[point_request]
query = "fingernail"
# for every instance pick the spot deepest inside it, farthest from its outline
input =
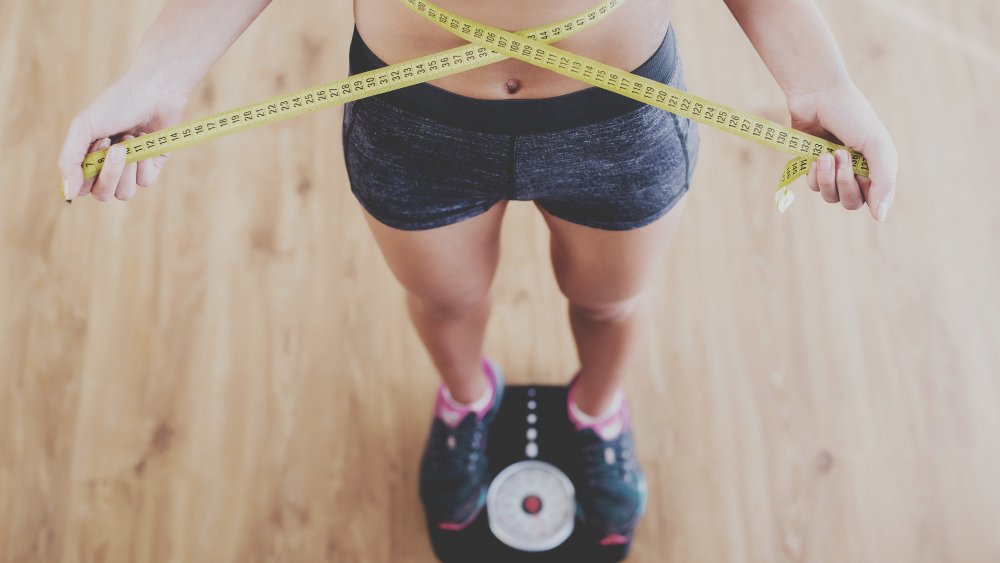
(65, 192)
(826, 161)
(882, 210)
(116, 154)
(844, 158)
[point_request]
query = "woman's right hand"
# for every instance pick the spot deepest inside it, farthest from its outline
(130, 107)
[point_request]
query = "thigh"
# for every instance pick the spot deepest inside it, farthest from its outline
(451, 265)
(596, 267)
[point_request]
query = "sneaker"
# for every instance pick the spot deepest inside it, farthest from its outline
(454, 473)
(610, 486)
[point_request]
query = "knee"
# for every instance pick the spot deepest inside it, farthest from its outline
(449, 305)
(606, 311)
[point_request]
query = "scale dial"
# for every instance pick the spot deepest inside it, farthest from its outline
(531, 506)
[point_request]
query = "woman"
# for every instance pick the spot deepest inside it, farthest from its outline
(434, 166)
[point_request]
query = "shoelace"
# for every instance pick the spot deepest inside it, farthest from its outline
(463, 443)
(606, 460)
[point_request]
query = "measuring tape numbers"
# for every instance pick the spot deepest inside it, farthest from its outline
(489, 45)
(356, 87)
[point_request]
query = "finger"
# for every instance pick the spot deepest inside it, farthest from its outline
(882, 165)
(811, 177)
(149, 169)
(865, 183)
(126, 184)
(74, 148)
(88, 184)
(847, 186)
(107, 181)
(826, 178)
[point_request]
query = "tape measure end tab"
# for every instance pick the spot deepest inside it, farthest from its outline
(65, 193)
(783, 198)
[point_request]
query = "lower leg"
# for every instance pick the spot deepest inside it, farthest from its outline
(606, 277)
(607, 338)
(454, 470)
(447, 272)
(612, 496)
(453, 336)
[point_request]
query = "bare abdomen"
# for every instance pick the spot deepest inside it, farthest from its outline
(625, 39)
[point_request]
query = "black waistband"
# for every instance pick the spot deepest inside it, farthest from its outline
(519, 116)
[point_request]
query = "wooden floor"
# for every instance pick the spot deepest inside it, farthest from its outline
(222, 370)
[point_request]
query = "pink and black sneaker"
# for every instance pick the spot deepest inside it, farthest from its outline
(454, 472)
(610, 486)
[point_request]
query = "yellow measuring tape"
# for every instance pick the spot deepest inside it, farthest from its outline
(489, 45)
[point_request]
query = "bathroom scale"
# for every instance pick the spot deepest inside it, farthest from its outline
(530, 513)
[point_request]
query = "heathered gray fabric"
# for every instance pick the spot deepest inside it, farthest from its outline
(413, 173)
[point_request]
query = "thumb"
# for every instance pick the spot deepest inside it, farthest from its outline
(71, 157)
(880, 187)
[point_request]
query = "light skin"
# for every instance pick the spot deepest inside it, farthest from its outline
(795, 43)
(186, 39)
(447, 271)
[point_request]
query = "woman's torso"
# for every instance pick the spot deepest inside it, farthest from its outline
(625, 39)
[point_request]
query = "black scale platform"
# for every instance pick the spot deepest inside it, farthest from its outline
(508, 444)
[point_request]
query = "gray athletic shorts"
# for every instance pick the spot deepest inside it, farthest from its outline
(422, 157)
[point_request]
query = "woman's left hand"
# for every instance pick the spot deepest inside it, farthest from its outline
(843, 115)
